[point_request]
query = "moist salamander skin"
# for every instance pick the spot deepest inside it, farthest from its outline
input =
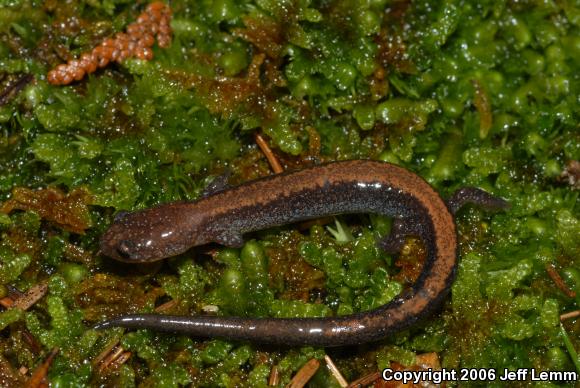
(355, 186)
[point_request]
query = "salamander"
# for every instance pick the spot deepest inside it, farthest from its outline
(356, 186)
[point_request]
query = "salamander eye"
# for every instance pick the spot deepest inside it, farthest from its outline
(125, 249)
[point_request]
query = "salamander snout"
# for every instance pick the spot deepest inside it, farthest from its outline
(148, 235)
(130, 239)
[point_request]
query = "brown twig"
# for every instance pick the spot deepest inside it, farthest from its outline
(365, 380)
(335, 372)
(112, 356)
(7, 302)
(166, 306)
(304, 374)
(41, 371)
(555, 276)
(106, 351)
(13, 294)
(14, 88)
(274, 378)
(110, 359)
(27, 336)
(570, 315)
(30, 297)
(274, 163)
(120, 360)
(483, 106)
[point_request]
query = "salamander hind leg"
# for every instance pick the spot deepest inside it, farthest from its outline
(475, 196)
(393, 243)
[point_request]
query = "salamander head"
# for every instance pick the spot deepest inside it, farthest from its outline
(147, 235)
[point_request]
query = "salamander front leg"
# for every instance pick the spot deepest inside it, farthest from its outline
(218, 184)
(393, 243)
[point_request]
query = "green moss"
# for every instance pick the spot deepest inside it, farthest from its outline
(10, 316)
(258, 377)
(395, 353)
(232, 292)
(466, 289)
(64, 330)
(297, 309)
(171, 376)
(141, 342)
(192, 280)
(216, 351)
(255, 272)
(12, 265)
(503, 282)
